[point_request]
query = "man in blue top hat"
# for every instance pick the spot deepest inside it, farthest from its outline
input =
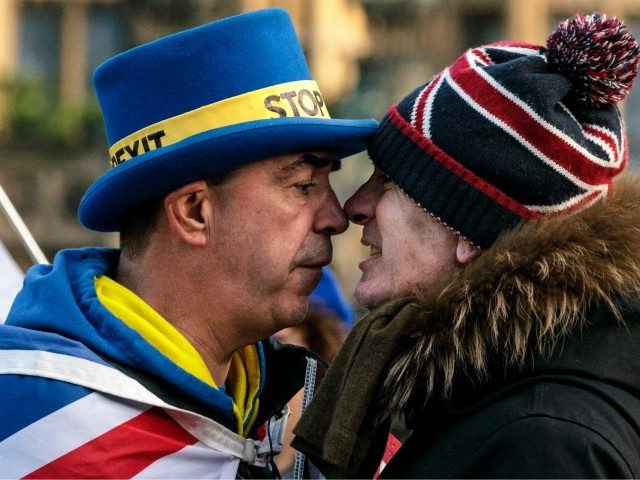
(148, 361)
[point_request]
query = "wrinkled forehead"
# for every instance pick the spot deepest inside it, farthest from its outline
(289, 165)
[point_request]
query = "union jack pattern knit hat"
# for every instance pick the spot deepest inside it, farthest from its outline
(512, 131)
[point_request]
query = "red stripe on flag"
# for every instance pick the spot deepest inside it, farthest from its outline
(524, 125)
(592, 197)
(483, 56)
(460, 170)
(508, 44)
(579, 205)
(422, 101)
(123, 451)
(607, 137)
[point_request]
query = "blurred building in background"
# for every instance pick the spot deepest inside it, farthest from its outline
(365, 55)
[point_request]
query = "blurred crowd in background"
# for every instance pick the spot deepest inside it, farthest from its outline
(364, 54)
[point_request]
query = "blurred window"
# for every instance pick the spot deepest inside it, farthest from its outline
(74, 190)
(480, 27)
(39, 30)
(108, 35)
(632, 109)
(21, 187)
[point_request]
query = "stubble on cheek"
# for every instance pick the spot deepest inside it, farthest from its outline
(313, 252)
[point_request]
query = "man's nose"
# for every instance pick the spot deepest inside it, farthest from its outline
(361, 206)
(331, 219)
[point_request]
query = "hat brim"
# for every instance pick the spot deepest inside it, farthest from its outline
(160, 171)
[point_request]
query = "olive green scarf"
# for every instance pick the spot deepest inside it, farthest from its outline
(339, 431)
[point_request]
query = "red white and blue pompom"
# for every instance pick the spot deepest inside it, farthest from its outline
(599, 54)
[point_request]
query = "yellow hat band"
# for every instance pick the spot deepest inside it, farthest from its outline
(292, 99)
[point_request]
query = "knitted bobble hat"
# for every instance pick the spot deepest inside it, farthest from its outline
(512, 131)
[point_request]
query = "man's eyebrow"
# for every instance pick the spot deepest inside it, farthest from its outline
(307, 159)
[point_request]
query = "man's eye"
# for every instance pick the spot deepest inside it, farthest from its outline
(305, 187)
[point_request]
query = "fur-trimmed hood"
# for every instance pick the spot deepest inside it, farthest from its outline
(519, 298)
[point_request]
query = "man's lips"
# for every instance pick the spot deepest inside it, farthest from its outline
(316, 263)
(375, 252)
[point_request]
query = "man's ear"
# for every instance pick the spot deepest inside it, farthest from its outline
(187, 211)
(465, 252)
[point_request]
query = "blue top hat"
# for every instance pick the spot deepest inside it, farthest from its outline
(206, 100)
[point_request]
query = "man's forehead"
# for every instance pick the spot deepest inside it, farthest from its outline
(287, 165)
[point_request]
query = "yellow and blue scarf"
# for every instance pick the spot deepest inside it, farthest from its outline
(244, 378)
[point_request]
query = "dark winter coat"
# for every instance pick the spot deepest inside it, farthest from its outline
(528, 363)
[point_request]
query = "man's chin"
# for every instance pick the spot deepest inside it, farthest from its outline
(305, 279)
(291, 303)
(292, 311)
(369, 297)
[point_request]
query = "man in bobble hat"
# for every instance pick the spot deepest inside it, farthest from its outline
(500, 222)
(149, 361)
